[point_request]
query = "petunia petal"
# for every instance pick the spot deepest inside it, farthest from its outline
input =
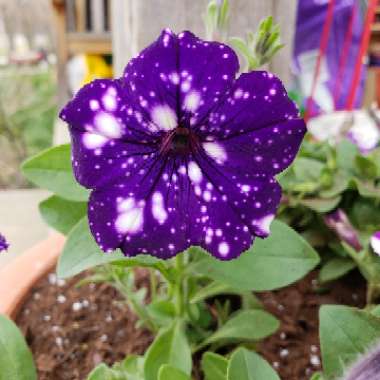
(238, 206)
(152, 82)
(154, 211)
(257, 101)
(98, 161)
(268, 150)
(105, 108)
(179, 79)
(207, 71)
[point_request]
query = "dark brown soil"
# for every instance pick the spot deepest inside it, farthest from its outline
(70, 330)
(294, 350)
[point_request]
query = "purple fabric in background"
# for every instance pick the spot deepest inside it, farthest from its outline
(311, 17)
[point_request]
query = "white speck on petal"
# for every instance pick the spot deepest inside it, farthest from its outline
(207, 196)
(164, 117)
(195, 172)
(93, 140)
(131, 217)
(264, 223)
(192, 100)
(158, 209)
(174, 77)
(215, 151)
(109, 100)
(94, 105)
(223, 248)
(107, 125)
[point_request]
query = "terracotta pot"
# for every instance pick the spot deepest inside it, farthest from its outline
(19, 276)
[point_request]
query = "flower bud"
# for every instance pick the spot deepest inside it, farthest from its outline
(339, 223)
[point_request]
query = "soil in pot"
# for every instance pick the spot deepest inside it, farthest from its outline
(70, 330)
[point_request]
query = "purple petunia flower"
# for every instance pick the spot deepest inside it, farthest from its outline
(178, 152)
(340, 224)
(375, 242)
(3, 243)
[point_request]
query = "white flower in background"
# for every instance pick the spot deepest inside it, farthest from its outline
(365, 134)
(358, 126)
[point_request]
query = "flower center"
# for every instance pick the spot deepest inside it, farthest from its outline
(179, 141)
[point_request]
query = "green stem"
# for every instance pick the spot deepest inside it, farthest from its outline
(373, 292)
(370, 290)
(137, 308)
(199, 346)
(178, 286)
(153, 284)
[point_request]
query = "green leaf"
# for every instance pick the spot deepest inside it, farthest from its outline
(367, 189)
(317, 376)
(307, 169)
(224, 14)
(162, 311)
(214, 366)
(346, 151)
(277, 261)
(81, 252)
(245, 326)
(16, 361)
(247, 365)
(62, 214)
(101, 372)
(376, 311)
(364, 213)
(131, 367)
(335, 268)
(240, 45)
(366, 167)
(168, 372)
(340, 184)
(213, 289)
(321, 204)
(51, 169)
(169, 347)
(345, 333)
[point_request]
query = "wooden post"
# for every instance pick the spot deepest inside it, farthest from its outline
(62, 52)
(80, 14)
(97, 16)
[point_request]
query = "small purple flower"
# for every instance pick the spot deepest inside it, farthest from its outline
(178, 152)
(340, 224)
(3, 243)
(375, 242)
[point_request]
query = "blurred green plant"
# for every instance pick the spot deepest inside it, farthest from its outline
(259, 48)
(27, 113)
(216, 20)
(324, 178)
(256, 49)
